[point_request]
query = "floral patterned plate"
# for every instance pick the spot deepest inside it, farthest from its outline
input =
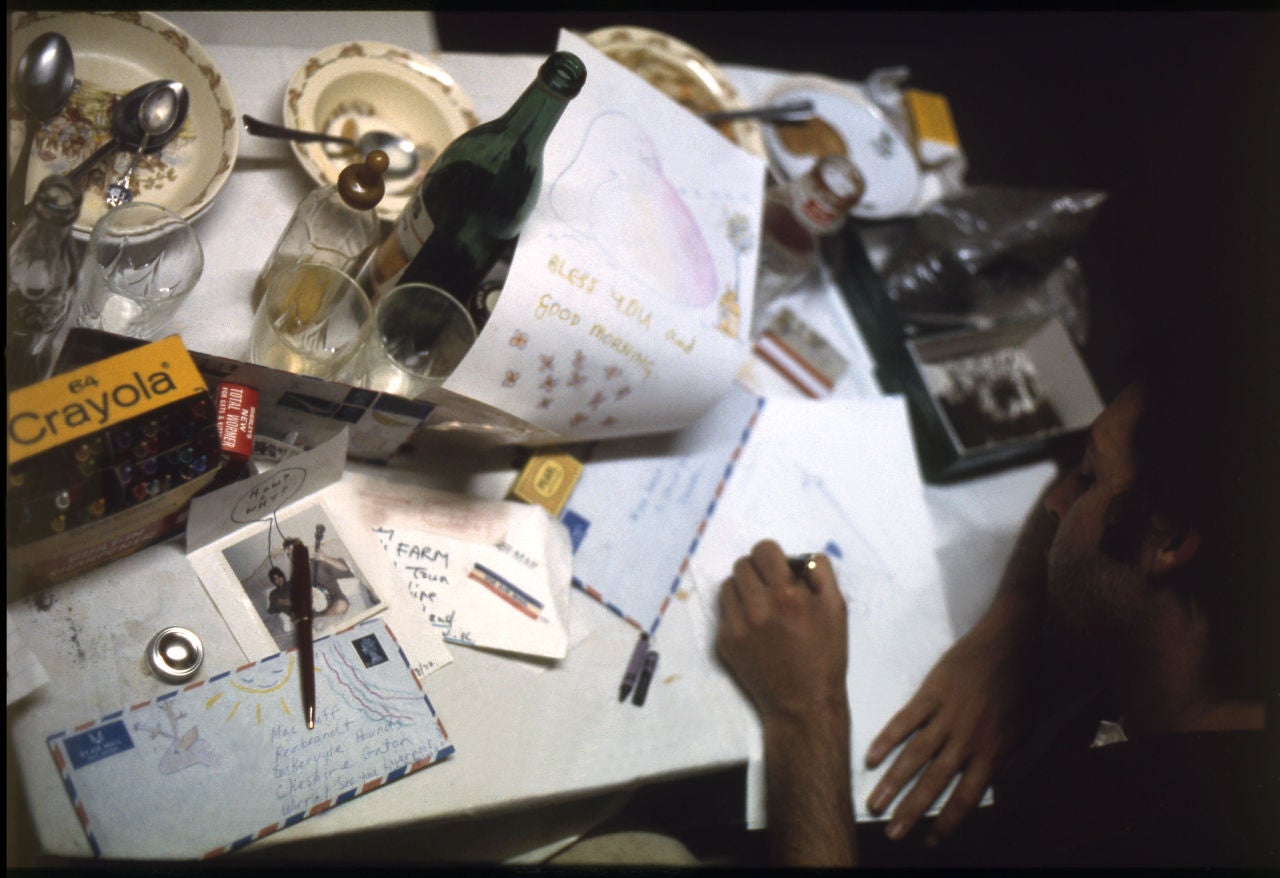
(114, 53)
(683, 74)
(350, 88)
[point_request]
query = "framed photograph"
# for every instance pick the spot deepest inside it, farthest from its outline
(248, 573)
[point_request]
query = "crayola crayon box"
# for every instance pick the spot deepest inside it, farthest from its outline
(103, 459)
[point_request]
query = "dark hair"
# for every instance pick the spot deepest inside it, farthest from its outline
(273, 571)
(1205, 450)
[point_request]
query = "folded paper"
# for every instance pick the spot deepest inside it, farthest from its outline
(494, 596)
(487, 573)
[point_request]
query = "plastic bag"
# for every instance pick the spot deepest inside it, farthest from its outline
(990, 253)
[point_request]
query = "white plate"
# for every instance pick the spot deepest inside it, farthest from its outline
(845, 123)
(683, 74)
(350, 88)
(114, 53)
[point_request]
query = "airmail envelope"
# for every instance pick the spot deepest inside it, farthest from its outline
(210, 767)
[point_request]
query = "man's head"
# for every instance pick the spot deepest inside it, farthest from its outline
(1096, 601)
(1169, 501)
(277, 577)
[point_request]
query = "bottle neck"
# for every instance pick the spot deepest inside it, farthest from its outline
(534, 114)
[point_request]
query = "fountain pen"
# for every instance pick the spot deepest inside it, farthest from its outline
(300, 598)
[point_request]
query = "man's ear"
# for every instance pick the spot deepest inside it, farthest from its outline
(1174, 545)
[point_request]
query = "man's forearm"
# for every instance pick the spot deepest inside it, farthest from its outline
(1020, 594)
(809, 789)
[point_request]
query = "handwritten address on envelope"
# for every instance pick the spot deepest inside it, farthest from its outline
(209, 768)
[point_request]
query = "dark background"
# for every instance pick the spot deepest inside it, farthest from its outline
(1175, 114)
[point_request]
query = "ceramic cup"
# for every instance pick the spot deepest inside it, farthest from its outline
(420, 335)
(310, 321)
(141, 263)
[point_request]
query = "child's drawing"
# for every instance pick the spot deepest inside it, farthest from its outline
(186, 750)
(614, 193)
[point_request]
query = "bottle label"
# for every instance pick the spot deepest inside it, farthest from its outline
(388, 262)
(824, 196)
(819, 214)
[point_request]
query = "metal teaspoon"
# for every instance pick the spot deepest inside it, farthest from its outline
(43, 80)
(126, 128)
(162, 111)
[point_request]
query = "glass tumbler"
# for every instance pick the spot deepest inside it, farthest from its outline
(141, 263)
(310, 321)
(420, 335)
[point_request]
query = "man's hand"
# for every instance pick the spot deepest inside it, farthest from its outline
(959, 723)
(970, 708)
(785, 638)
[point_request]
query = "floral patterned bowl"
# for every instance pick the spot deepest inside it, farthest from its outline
(350, 88)
(115, 52)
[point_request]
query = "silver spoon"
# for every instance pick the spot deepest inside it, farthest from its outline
(43, 80)
(402, 153)
(162, 111)
(792, 111)
(126, 125)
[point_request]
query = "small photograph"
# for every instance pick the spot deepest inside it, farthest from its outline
(341, 593)
(992, 397)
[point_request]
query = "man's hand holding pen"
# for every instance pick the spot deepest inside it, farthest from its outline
(784, 635)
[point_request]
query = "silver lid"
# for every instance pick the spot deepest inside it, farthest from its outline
(175, 654)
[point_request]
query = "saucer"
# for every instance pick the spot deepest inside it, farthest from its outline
(847, 123)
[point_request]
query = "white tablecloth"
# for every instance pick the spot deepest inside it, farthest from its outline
(524, 735)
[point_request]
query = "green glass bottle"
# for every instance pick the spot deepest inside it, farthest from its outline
(477, 196)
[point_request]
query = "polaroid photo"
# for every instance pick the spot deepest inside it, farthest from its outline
(247, 574)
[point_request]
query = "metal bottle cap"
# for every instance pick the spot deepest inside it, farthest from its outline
(175, 654)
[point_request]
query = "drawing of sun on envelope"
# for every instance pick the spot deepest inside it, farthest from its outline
(614, 193)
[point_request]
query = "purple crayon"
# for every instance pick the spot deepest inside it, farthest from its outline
(633, 667)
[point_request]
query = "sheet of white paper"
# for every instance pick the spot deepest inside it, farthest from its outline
(210, 767)
(840, 477)
(23, 673)
(488, 573)
(635, 512)
(627, 306)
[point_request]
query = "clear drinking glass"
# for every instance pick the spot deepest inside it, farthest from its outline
(420, 335)
(310, 322)
(141, 263)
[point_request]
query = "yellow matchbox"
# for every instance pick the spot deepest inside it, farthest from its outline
(547, 480)
(103, 459)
